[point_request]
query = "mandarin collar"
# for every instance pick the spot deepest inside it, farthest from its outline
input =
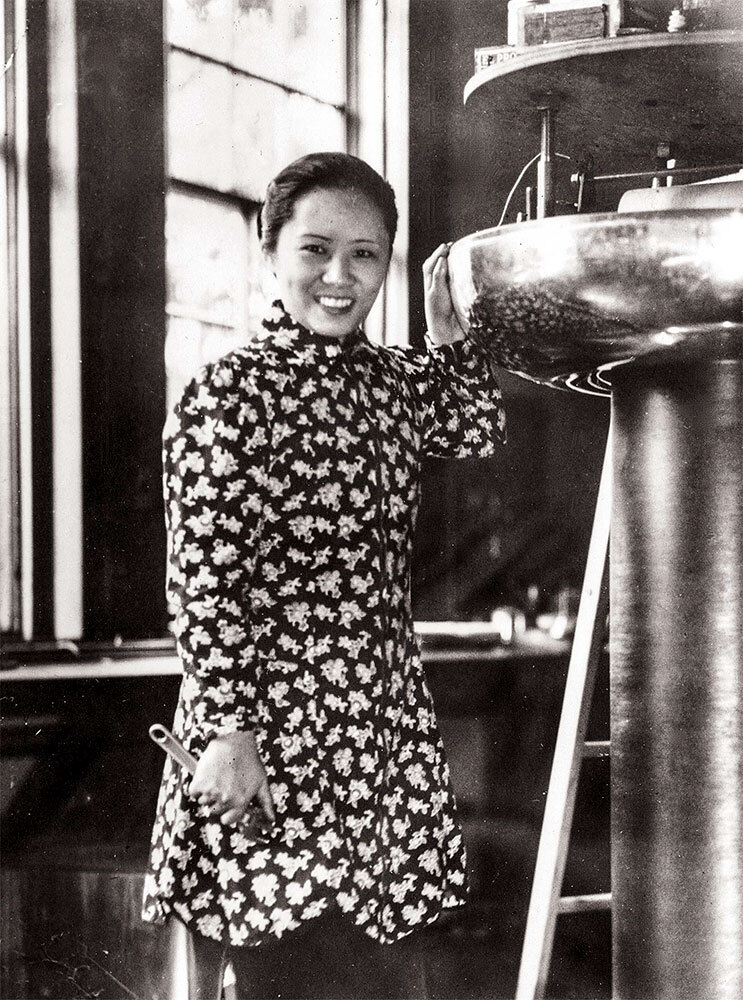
(283, 330)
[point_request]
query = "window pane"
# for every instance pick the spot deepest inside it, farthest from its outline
(203, 26)
(214, 270)
(309, 34)
(231, 132)
(249, 33)
(260, 121)
(199, 121)
(189, 344)
(207, 249)
(310, 127)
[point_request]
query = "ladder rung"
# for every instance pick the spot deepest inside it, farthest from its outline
(591, 903)
(596, 748)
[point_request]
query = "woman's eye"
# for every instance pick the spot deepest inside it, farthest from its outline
(366, 254)
(314, 248)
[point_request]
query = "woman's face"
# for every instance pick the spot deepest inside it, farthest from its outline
(330, 260)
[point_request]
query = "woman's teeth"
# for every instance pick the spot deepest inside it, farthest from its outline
(329, 302)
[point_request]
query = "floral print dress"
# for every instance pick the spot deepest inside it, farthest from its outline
(291, 483)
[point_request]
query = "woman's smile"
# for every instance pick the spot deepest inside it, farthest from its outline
(335, 304)
(331, 259)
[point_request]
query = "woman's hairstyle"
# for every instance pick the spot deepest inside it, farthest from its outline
(326, 171)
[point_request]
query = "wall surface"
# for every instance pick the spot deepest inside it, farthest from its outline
(489, 528)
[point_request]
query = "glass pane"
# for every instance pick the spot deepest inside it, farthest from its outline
(309, 34)
(259, 122)
(215, 273)
(317, 39)
(199, 121)
(310, 127)
(207, 252)
(271, 128)
(203, 26)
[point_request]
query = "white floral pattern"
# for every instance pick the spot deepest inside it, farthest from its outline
(291, 483)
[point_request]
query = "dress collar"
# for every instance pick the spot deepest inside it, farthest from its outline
(283, 330)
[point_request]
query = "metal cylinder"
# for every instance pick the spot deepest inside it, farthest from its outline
(677, 682)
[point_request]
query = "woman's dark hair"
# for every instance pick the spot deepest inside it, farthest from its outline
(326, 171)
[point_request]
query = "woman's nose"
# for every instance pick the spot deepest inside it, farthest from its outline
(337, 270)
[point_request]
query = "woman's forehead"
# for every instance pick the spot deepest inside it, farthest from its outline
(337, 209)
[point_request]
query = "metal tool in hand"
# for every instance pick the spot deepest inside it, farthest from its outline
(254, 822)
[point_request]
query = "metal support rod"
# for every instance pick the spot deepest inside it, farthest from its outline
(725, 168)
(545, 164)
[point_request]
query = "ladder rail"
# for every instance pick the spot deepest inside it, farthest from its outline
(588, 641)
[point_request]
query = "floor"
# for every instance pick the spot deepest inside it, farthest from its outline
(75, 839)
(70, 935)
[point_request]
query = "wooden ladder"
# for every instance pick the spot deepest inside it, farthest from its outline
(571, 747)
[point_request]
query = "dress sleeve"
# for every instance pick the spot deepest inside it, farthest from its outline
(461, 405)
(215, 457)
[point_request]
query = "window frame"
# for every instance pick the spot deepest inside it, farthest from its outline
(57, 554)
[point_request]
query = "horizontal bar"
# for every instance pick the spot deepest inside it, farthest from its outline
(240, 71)
(592, 903)
(668, 172)
(28, 724)
(597, 748)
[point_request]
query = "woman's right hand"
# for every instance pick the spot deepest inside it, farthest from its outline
(229, 775)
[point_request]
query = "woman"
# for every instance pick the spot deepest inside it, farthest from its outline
(292, 480)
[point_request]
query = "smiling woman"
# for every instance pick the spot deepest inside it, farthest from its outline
(292, 481)
(330, 261)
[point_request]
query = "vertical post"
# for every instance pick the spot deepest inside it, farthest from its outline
(122, 314)
(64, 264)
(677, 681)
(545, 164)
(16, 451)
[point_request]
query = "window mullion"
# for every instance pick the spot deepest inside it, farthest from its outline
(64, 256)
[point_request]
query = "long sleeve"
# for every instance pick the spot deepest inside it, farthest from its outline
(215, 459)
(461, 413)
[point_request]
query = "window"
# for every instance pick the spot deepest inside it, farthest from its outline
(213, 278)
(117, 289)
(235, 115)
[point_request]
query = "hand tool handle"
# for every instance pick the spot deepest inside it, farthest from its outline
(165, 739)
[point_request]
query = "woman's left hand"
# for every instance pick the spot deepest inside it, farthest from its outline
(441, 320)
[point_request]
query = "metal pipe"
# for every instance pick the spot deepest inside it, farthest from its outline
(677, 682)
(725, 168)
(545, 165)
(165, 739)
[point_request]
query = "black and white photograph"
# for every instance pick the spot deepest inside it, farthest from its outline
(371, 500)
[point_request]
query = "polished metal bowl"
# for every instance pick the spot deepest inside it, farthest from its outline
(565, 300)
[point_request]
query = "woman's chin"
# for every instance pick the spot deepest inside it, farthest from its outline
(337, 326)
